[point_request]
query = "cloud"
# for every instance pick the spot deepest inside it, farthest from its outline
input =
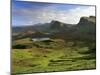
(49, 13)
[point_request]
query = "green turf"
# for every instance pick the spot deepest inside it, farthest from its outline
(51, 57)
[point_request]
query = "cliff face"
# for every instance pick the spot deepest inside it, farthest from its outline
(88, 24)
(84, 30)
(87, 21)
(57, 25)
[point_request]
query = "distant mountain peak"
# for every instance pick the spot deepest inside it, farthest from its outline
(87, 20)
(53, 21)
(56, 24)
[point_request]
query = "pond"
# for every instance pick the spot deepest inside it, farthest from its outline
(41, 39)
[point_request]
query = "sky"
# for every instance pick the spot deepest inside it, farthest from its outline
(31, 13)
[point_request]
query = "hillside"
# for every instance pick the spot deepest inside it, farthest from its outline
(70, 47)
(86, 26)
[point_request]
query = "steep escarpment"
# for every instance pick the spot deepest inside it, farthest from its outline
(87, 20)
(84, 30)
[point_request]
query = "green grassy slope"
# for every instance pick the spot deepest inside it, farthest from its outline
(56, 55)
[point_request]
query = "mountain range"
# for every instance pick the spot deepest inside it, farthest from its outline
(84, 30)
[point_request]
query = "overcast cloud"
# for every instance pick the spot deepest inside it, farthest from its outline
(27, 16)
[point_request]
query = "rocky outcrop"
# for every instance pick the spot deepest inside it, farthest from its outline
(87, 21)
(56, 24)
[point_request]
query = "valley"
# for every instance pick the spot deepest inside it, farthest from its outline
(69, 47)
